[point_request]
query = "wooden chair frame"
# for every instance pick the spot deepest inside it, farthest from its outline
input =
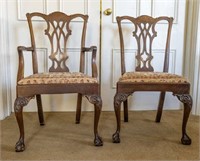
(26, 92)
(125, 89)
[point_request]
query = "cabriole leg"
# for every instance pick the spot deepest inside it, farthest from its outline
(118, 99)
(96, 100)
(20, 102)
(187, 100)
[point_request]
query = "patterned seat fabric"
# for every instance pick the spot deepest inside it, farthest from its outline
(57, 78)
(151, 77)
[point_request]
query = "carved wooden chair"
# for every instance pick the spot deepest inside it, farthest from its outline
(144, 78)
(59, 79)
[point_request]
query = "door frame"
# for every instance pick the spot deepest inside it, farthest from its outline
(192, 45)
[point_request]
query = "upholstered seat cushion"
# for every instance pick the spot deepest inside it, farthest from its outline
(57, 78)
(151, 77)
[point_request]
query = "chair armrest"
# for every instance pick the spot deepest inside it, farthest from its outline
(92, 49)
(20, 49)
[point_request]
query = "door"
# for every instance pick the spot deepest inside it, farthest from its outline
(19, 36)
(110, 53)
(111, 48)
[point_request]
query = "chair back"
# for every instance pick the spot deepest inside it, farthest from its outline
(144, 33)
(58, 31)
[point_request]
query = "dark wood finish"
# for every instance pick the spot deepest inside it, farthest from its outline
(160, 106)
(126, 111)
(145, 27)
(78, 108)
(57, 21)
(40, 109)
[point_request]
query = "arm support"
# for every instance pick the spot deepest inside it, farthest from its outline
(20, 49)
(92, 49)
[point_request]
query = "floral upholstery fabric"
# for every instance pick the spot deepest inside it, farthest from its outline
(57, 78)
(151, 77)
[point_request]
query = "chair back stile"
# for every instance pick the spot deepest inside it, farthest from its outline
(167, 49)
(82, 54)
(123, 67)
(34, 54)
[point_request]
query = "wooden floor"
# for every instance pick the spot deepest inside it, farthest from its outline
(62, 139)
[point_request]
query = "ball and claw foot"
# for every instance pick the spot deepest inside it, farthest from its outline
(20, 146)
(116, 138)
(98, 141)
(185, 140)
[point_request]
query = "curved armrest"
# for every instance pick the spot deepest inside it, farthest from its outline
(92, 49)
(20, 49)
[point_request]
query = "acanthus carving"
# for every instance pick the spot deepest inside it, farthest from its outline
(94, 99)
(185, 98)
(21, 102)
(120, 97)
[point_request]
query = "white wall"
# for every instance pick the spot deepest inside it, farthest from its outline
(5, 94)
(192, 52)
(196, 90)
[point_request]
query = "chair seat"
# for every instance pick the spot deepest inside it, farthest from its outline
(151, 77)
(57, 78)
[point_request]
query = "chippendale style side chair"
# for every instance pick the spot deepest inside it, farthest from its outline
(144, 78)
(59, 79)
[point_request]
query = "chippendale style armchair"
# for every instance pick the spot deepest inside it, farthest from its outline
(144, 78)
(59, 79)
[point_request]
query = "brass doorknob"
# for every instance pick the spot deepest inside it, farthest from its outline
(108, 11)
